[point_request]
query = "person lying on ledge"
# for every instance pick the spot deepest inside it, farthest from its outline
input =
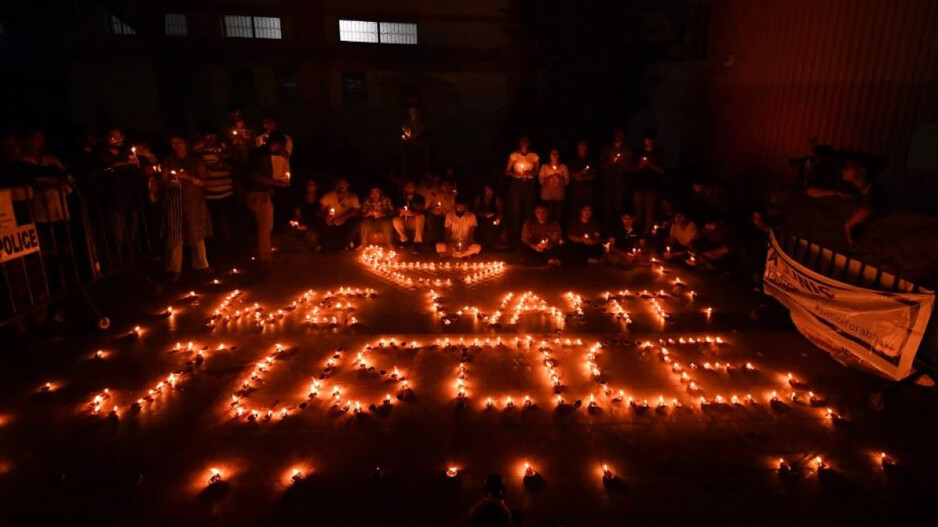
(624, 246)
(584, 241)
(859, 187)
(540, 238)
(682, 237)
(460, 226)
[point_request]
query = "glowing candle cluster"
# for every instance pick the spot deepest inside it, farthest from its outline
(387, 263)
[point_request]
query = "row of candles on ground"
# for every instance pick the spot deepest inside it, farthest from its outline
(387, 263)
(102, 402)
(527, 303)
(335, 308)
(529, 473)
(330, 367)
(773, 398)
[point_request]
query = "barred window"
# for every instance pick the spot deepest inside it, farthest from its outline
(176, 25)
(373, 32)
(358, 31)
(237, 26)
(118, 27)
(267, 27)
(398, 33)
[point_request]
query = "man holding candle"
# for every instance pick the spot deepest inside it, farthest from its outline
(582, 177)
(269, 169)
(410, 215)
(624, 246)
(649, 175)
(459, 241)
(682, 236)
(341, 208)
(540, 238)
(584, 242)
(523, 165)
(616, 162)
(376, 216)
(440, 202)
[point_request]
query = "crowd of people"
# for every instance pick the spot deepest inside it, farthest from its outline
(616, 205)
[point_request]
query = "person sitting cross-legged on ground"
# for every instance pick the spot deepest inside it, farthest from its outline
(440, 202)
(540, 238)
(584, 243)
(307, 217)
(410, 215)
(713, 244)
(489, 209)
(377, 210)
(624, 246)
(341, 208)
(682, 236)
(460, 226)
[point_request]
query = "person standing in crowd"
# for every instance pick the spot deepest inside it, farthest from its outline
(649, 178)
(307, 216)
(616, 162)
(414, 145)
(540, 238)
(459, 241)
(240, 140)
(124, 185)
(270, 168)
(217, 187)
(440, 202)
(377, 210)
(623, 247)
(489, 210)
(115, 153)
(341, 208)
(582, 177)
(271, 124)
(584, 240)
(185, 216)
(554, 179)
(51, 188)
(410, 216)
(521, 170)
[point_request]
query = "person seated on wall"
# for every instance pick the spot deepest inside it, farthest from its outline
(410, 216)
(625, 245)
(440, 202)
(377, 211)
(857, 186)
(540, 238)
(713, 244)
(341, 209)
(459, 241)
(307, 217)
(489, 210)
(681, 238)
(584, 241)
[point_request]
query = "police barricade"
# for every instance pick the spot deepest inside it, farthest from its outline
(59, 235)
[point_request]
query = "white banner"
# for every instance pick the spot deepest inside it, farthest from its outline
(876, 330)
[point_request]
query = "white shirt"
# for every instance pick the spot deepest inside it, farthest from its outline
(262, 139)
(521, 163)
(281, 167)
(461, 227)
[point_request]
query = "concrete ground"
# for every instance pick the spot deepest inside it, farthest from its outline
(65, 460)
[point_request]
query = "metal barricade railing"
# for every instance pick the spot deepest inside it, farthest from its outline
(87, 229)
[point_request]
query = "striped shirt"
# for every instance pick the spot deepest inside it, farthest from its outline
(218, 182)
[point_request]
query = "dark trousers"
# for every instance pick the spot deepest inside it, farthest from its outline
(613, 202)
(522, 193)
(579, 253)
(337, 237)
(221, 212)
(532, 257)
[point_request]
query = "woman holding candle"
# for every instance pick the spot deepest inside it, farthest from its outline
(489, 210)
(522, 168)
(554, 179)
(185, 216)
